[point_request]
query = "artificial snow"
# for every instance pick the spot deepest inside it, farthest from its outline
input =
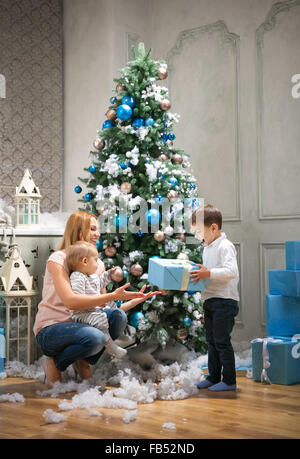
(129, 416)
(52, 417)
(169, 425)
(12, 398)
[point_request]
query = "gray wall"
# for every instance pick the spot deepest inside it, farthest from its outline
(31, 115)
(231, 64)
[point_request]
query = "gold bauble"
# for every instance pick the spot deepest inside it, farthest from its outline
(99, 144)
(110, 251)
(182, 256)
(165, 104)
(177, 159)
(181, 334)
(111, 114)
(180, 237)
(172, 195)
(163, 157)
(162, 75)
(136, 270)
(119, 87)
(118, 274)
(159, 236)
(126, 187)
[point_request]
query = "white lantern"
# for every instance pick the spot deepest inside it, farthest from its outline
(17, 292)
(27, 202)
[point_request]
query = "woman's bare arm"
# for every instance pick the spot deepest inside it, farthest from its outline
(72, 300)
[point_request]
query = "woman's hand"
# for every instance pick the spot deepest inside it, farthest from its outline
(132, 303)
(121, 294)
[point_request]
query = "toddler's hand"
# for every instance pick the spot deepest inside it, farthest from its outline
(200, 274)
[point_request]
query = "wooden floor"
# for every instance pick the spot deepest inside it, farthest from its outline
(254, 411)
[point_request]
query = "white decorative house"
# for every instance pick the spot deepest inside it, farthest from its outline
(17, 292)
(27, 202)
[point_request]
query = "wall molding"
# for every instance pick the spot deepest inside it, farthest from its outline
(233, 40)
(240, 259)
(268, 25)
(263, 247)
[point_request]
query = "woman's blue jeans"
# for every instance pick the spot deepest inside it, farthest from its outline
(67, 342)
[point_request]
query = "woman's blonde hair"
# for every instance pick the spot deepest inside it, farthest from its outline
(77, 228)
(78, 251)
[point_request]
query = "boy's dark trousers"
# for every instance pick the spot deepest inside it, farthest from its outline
(219, 316)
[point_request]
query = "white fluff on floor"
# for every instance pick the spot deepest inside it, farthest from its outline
(129, 416)
(169, 425)
(12, 398)
(52, 417)
(130, 383)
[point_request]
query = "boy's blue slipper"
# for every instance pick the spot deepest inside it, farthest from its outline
(204, 384)
(221, 386)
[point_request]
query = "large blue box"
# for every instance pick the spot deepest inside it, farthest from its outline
(284, 282)
(282, 315)
(284, 358)
(170, 274)
(292, 254)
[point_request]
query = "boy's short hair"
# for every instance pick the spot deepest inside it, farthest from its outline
(209, 214)
(78, 251)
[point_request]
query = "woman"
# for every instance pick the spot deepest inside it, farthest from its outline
(65, 342)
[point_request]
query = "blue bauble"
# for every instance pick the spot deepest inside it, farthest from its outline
(92, 169)
(152, 216)
(165, 137)
(190, 292)
(171, 136)
(192, 186)
(128, 100)
(149, 122)
(135, 318)
(78, 189)
(162, 177)
(108, 124)
(124, 165)
(124, 112)
(159, 199)
(139, 233)
(121, 220)
(88, 196)
(112, 100)
(192, 202)
(125, 272)
(138, 122)
(99, 244)
(173, 181)
(118, 303)
(187, 321)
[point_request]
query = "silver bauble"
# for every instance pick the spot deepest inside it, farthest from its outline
(99, 144)
(136, 270)
(159, 236)
(118, 274)
(162, 75)
(111, 114)
(177, 159)
(125, 187)
(172, 195)
(165, 104)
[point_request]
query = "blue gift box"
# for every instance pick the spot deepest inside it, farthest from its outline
(284, 282)
(172, 274)
(278, 361)
(292, 254)
(282, 315)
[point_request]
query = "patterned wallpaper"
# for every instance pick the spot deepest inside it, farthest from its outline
(31, 115)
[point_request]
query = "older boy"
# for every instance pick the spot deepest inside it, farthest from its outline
(221, 297)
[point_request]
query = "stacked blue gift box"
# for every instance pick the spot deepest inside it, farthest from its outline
(276, 358)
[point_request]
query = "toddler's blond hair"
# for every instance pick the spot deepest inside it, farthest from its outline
(78, 251)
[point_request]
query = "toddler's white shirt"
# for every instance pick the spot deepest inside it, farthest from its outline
(220, 258)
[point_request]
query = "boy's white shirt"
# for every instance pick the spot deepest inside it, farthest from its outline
(220, 258)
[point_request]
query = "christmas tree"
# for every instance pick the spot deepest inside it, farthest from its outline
(135, 167)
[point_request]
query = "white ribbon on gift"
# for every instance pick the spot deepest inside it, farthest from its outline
(188, 266)
(265, 356)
